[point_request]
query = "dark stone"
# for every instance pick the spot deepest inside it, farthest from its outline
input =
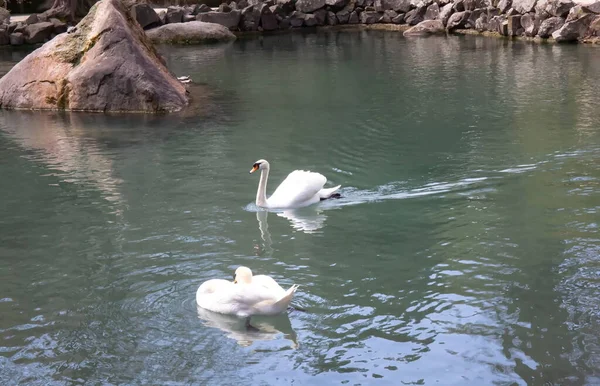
(174, 15)
(331, 18)
(512, 12)
(416, 16)
(268, 21)
(433, 12)
(59, 26)
(481, 24)
(285, 24)
(575, 29)
(145, 16)
(309, 5)
(445, 13)
(39, 32)
(425, 28)
(230, 19)
(321, 16)
(388, 16)
(344, 14)
(4, 16)
(458, 20)
(188, 18)
(514, 25)
(17, 39)
(32, 19)
(224, 7)
(21, 27)
(278, 10)
(297, 19)
(337, 4)
(4, 36)
(491, 12)
(370, 17)
(399, 19)
(504, 5)
(549, 26)
(203, 8)
(310, 20)
(249, 20)
(242, 4)
(474, 16)
(12, 27)
(288, 5)
(459, 6)
(396, 5)
(353, 19)
(558, 8)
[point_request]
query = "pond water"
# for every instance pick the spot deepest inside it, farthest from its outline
(465, 249)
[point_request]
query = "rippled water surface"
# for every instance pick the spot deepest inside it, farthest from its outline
(465, 250)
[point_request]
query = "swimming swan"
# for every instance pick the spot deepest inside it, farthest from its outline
(245, 296)
(300, 188)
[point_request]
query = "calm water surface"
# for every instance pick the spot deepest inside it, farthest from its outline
(465, 250)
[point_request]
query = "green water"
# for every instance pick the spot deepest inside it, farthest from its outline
(465, 250)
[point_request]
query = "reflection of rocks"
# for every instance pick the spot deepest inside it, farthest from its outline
(106, 64)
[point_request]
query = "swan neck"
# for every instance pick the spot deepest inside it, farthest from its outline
(261, 194)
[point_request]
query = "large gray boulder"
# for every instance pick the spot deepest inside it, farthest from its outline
(445, 13)
(145, 15)
(106, 64)
(426, 28)
(550, 25)
(39, 32)
(574, 30)
(229, 19)
(174, 15)
(306, 6)
(458, 20)
(558, 8)
(194, 32)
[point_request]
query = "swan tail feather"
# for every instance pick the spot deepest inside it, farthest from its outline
(286, 299)
(329, 193)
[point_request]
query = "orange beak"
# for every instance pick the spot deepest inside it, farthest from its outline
(254, 168)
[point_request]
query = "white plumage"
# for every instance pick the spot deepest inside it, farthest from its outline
(301, 188)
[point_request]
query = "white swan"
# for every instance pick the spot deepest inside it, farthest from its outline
(300, 188)
(245, 296)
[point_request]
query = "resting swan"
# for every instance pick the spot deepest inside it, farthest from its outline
(300, 188)
(245, 296)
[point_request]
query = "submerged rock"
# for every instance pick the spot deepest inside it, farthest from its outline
(194, 32)
(106, 64)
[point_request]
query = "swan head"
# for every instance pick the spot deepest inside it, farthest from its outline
(259, 165)
(243, 275)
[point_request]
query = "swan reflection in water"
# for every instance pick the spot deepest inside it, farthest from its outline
(307, 220)
(263, 329)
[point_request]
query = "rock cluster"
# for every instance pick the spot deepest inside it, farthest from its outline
(563, 20)
(35, 29)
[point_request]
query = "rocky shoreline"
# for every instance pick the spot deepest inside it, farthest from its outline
(546, 20)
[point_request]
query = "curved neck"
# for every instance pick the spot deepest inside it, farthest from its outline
(261, 194)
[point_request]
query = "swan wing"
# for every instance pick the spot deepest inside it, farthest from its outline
(299, 186)
(269, 283)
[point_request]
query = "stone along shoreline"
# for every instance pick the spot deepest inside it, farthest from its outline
(552, 20)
